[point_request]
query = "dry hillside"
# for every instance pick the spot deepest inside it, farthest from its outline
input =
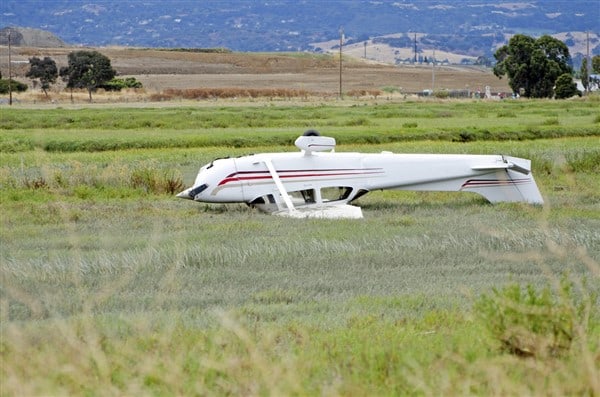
(160, 69)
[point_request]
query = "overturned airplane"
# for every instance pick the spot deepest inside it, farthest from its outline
(319, 182)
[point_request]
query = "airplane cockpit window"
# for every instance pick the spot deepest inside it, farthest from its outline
(306, 196)
(335, 193)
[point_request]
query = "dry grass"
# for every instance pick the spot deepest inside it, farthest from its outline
(161, 70)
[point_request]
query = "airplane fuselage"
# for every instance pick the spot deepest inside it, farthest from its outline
(325, 178)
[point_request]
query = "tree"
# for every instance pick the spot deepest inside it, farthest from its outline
(596, 64)
(87, 69)
(43, 69)
(565, 87)
(533, 65)
(583, 73)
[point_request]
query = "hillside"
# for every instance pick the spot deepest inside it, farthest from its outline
(458, 31)
(27, 37)
(162, 69)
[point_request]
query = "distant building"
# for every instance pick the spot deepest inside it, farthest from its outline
(594, 80)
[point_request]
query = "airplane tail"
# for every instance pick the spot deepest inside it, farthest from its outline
(515, 183)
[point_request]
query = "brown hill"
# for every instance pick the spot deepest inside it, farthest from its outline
(162, 69)
(27, 37)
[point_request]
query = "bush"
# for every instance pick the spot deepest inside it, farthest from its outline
(530, 322)
(16, 86)
(565, 87)
(118, 84)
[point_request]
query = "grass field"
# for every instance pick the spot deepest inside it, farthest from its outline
(111, 286)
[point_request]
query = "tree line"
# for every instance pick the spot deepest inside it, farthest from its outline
(87, 70)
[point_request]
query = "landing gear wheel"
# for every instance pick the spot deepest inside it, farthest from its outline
(311, 133)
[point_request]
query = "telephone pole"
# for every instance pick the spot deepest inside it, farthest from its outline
(9, 72)
(341, 44)
(589, 66)
(433, 72)
(415, 48)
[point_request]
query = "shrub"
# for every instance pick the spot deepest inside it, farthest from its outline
(532, 323)
(152, 181)
(212, 93)
(565, 87)
(16, 86)
(118, 84)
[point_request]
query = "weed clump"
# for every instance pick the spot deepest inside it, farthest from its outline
(151, 181)
(534, 323)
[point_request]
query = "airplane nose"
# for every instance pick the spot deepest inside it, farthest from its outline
(192, 192)
(185, 194)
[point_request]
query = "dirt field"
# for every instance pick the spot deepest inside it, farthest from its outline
(158, 70)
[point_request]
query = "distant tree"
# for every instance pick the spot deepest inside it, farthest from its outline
(533, 65)
(483, 61)
(43, 69)
(565, 87)
(87, 69)
(596, 64)
(583, 73)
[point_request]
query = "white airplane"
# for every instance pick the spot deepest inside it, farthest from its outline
(318, 182)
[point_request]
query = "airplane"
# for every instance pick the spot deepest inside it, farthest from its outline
(319, 182)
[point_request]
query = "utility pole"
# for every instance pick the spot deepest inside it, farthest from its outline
(365, 50)
(589, 66)
(341, 44)
(433, 72)
(9, 72)
(415, 48)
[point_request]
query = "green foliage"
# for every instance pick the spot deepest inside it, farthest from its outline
(390, 89)
(565, 87)
(532, 66)
(531, 322)
(87, 69)
(117, 84)
(152, 181)
(15, 86)
(596, 64)
(584, 161)
(43, 69)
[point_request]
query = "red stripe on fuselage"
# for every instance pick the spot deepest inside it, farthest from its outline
(234, 177)
(492, 182)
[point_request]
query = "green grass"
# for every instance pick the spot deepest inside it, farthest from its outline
(111, 286)
(130, 128)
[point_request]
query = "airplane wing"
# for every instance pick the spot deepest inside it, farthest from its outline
(520, 165)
